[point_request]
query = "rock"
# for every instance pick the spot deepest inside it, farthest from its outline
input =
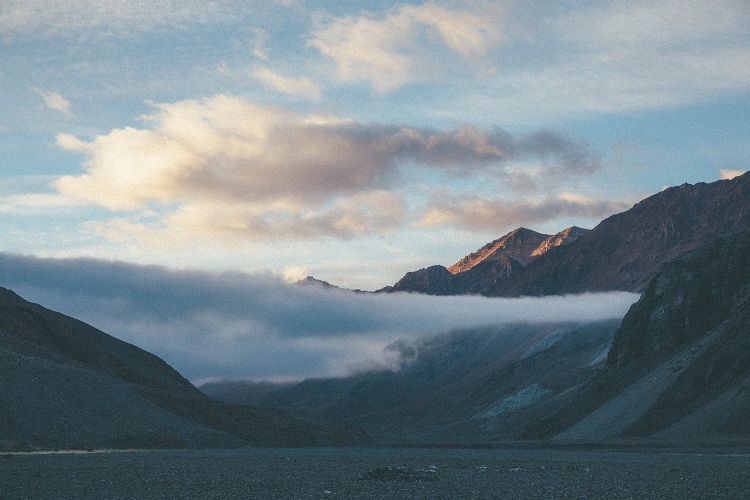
(400, 474)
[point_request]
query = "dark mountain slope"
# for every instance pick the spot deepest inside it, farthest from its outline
(702, 296)
(124, 395)
(625, 250)
(433, 280)
(46, 405)
(679, 366)
(468, 386)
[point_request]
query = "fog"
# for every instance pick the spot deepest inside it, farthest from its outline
(257, 326)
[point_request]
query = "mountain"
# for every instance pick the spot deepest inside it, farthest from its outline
(675, 369)
(519, 245)
(65, 384)
(621, 253)
(472, 386)
(482, 270)
(433, 280)
(679, 367)
(625, 250)
(310, 281)
(564, 237)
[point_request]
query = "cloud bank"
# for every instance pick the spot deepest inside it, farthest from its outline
(258, 326)
(229, 166)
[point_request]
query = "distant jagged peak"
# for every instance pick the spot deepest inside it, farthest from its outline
(517, 244)
(315, 282)
(564, 237)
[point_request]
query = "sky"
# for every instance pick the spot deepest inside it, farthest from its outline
(351, 141)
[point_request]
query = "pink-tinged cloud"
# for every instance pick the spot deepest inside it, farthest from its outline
(228, 165)
(502, 215)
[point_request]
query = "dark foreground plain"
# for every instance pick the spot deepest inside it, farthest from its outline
(373, 473)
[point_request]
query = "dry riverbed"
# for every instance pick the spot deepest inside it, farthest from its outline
(373, 473)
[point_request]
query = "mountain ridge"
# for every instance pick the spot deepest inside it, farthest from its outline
(676, 368)
(667, 375)
(625, 250)
(479, 271)
(621, 253)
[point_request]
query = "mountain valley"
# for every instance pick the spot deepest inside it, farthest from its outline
(676, 368)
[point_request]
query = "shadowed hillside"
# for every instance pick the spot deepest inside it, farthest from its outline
(680, 362)
(67, 385)
(473, 386)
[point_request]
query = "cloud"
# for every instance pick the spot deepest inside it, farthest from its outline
(228, 165)
(36, 203)
(614, 57)
(374, 212)
(390, 52)
(258, 326)
(499, 214)
(68, 17)
(259, 42)
(55, 101)
(299, 87)
(730, 174)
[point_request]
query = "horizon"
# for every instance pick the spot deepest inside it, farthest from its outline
(353, 142)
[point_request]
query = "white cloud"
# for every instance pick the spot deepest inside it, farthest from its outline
(36, 203)
(299, 87)
(259, 42)
(392, 51)
(292, 274)
(228, 166)
(730, 174)
(55, 101)
(375, 212)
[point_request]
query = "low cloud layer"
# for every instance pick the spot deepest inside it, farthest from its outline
(257, 326)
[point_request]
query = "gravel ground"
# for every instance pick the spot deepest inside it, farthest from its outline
(374, 473)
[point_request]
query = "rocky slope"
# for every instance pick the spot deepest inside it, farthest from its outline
(679, 366)
(625, 250)
(520, 244)
(65, 384)
(621, 253)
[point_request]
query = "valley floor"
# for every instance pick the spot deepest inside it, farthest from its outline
(373, 473)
